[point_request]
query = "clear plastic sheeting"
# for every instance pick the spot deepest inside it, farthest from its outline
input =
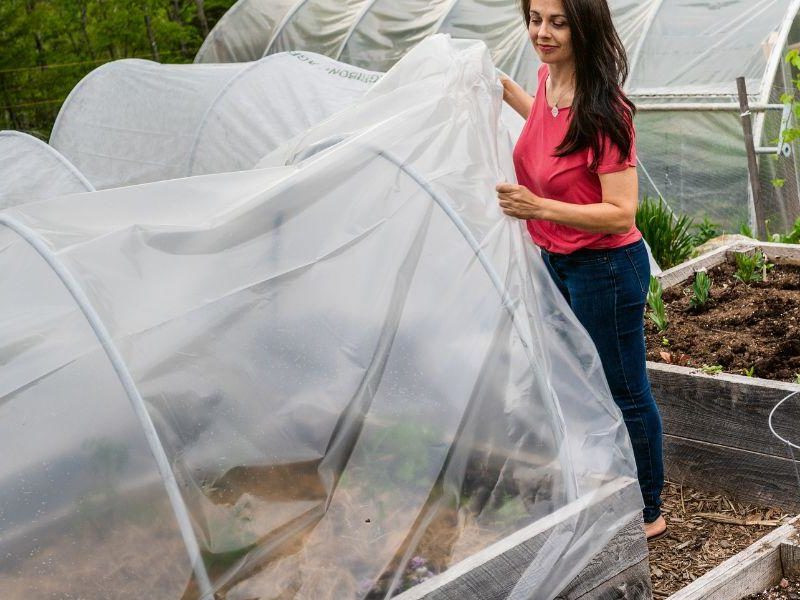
(321, 26)
(31, 170)
(697, 162)
(682, 51)
(357, 369)
(700, 48)
(135, 121)
(244, 31)
(499, 24)
(388, 29)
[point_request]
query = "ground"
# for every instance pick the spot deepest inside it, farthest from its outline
(704, 530)
(746, 329)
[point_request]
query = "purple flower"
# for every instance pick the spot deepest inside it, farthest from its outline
(417, 563)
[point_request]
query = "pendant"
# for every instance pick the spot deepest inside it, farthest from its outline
(554, 111)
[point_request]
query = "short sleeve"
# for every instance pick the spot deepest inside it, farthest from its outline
(612, 160)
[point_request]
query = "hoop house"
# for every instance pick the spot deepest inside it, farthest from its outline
(31, 170)
(304, 381)
(135, 121)
(684, 55)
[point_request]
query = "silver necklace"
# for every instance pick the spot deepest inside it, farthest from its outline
(554, 109)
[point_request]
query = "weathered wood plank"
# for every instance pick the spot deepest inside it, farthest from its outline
(777, 253)
(614, 566)
(631, 584)
(686, 269)
(790, 559)
(492, 573)
(724, 409)
(749, 477)
(752, 570)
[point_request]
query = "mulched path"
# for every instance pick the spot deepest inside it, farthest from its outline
(753, 327)
(705, 530)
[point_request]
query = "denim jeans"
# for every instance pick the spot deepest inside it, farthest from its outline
(607, 291)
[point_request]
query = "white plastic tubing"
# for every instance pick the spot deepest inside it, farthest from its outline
(137, 403)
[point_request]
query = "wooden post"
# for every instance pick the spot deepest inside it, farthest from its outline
(752, 159)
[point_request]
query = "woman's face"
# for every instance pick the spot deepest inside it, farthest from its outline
(549, 31)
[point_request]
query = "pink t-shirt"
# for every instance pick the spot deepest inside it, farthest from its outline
(567, 179)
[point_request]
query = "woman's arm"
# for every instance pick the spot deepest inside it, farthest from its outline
(516, 97)
(615, 214)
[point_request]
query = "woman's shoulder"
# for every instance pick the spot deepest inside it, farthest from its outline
(542, 72)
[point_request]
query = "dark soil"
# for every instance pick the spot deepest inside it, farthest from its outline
(703, 531)
(786, 590)
(746, 329)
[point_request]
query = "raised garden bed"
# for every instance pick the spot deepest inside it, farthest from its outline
(759, 567)
(619, 572)
(716, 433)
(705, 530)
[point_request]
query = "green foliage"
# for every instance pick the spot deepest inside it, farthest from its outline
(751, 267)
(711, 369)
(792, 237)
(669, 238)
(657, 312)
(706, 230)
(750, 372)
(49, 45)
(701, 290)
(745, 230)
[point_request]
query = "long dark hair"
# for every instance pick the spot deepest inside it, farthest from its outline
(601, 68)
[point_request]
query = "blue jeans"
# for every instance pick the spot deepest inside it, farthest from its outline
(607, 290)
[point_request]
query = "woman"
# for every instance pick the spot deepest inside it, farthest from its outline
(575, 163)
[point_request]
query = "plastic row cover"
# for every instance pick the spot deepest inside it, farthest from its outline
(31, 170)
(357, 368)
(677, 47)
(135, 121)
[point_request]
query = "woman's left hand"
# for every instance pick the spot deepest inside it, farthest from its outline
(519, 202)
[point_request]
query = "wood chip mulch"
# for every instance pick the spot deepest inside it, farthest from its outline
(786, 590)
(704, 530)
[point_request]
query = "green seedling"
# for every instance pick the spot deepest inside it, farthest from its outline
(664, 342)
(751, 267)
(751, 372)
(657, 312)
(797, 377)
(701, 290)
(711, 369)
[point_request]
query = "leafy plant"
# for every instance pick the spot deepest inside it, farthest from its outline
(751, 372)
(706, 230)
(746, 230)
(655, 301)
(664, 342)
(701, 290)
(751, 267)
(711, 369)
(792, 237)
(797, 377)
(668, 236)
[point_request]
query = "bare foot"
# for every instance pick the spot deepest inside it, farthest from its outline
(656, 528)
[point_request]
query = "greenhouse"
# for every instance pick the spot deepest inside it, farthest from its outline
(684, 55)
(31, 170)
(202, 410)
(136, 121)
